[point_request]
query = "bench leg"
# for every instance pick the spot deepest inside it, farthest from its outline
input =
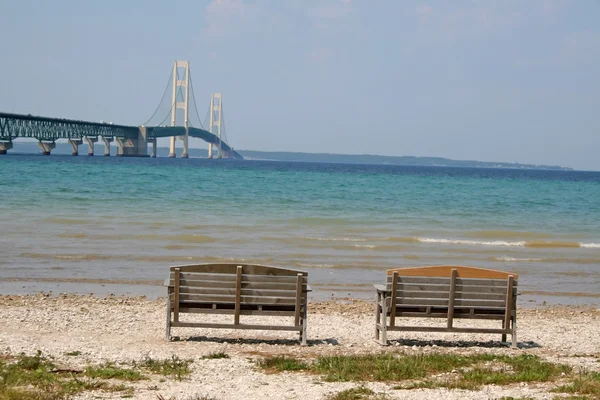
(504, 334)
(514, 332)
(303, 339)
(168, 330)
(377, 315)
(384, 341)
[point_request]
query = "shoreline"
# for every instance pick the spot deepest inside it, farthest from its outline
(154, 289)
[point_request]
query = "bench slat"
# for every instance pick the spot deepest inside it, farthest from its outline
(441, 329)
(238, 326)
(445, 271)
(194, 310)
(233, 277)
(446, 288)
(457, 295)
(445, 302)
(222, 299)
(231, 291)
(446, 281)
(245, 284)
(457, 315)
(231, 268)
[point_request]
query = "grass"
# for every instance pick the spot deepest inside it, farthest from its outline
(215, 356)
(73, 353)
(110, 370)
(282, 363)
(586, 383)
(358, 393)
(36, 377)
(173, 367)
(523, 368)
(432, 370)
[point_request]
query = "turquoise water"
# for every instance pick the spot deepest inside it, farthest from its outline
(114, 225)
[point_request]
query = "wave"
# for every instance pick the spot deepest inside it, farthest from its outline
(520, 243)
(514, 259)
(336, 239)
(504, 234)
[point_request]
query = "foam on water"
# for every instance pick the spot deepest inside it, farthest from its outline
(520, 243)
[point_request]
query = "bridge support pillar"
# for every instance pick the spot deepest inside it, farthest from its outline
(75, 143)
(107, 141)
(91, 141)
(5, 146)
(184, 138)
(133, 147)
(210, 150)
(46, 147)
(153, 141)
(172, 148)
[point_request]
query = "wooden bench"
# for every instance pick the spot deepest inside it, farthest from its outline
(449, 292)
(237, 289)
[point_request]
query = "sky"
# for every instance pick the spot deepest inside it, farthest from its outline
(489, 80)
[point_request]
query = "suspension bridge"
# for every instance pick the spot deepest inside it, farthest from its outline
(172, 118)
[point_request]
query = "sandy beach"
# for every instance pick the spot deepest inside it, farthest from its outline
(94, 330)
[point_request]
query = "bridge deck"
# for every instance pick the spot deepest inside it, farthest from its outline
(14, 126)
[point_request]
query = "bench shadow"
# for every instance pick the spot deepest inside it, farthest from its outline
(273, 342)
(490, 344)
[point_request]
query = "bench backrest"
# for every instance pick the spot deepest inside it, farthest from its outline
(453, 287)
(239, 284)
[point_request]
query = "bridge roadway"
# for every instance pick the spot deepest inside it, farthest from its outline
(132, 140)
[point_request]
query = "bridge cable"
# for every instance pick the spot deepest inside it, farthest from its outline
(195, 104)
(169, 113)
(161, 100)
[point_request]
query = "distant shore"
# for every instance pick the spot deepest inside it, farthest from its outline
(81, 330)
(65, 149)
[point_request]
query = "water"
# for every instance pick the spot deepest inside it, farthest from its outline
(114, 225)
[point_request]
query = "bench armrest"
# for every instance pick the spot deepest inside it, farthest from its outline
(167, 282)
(380, 288)
(308, 288)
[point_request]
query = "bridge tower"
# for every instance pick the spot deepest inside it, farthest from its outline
(180, 83)
(215, 121)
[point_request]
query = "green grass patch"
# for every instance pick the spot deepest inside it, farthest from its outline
(173, 367)
(110, 370)
(215, 356)
(390, 367)
(358, 393)
(506, 370)
(282, 363)
(73, 353)
(585, 383)
(433, 370)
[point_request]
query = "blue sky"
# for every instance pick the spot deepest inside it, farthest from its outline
(497, 80)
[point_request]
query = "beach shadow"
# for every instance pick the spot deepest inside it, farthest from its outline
(269, 341)
(490, 344)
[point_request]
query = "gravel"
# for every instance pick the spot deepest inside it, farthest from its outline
(129, 329)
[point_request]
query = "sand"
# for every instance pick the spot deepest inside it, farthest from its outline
(124, 329)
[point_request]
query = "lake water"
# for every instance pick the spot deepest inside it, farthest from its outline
(114, 225)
